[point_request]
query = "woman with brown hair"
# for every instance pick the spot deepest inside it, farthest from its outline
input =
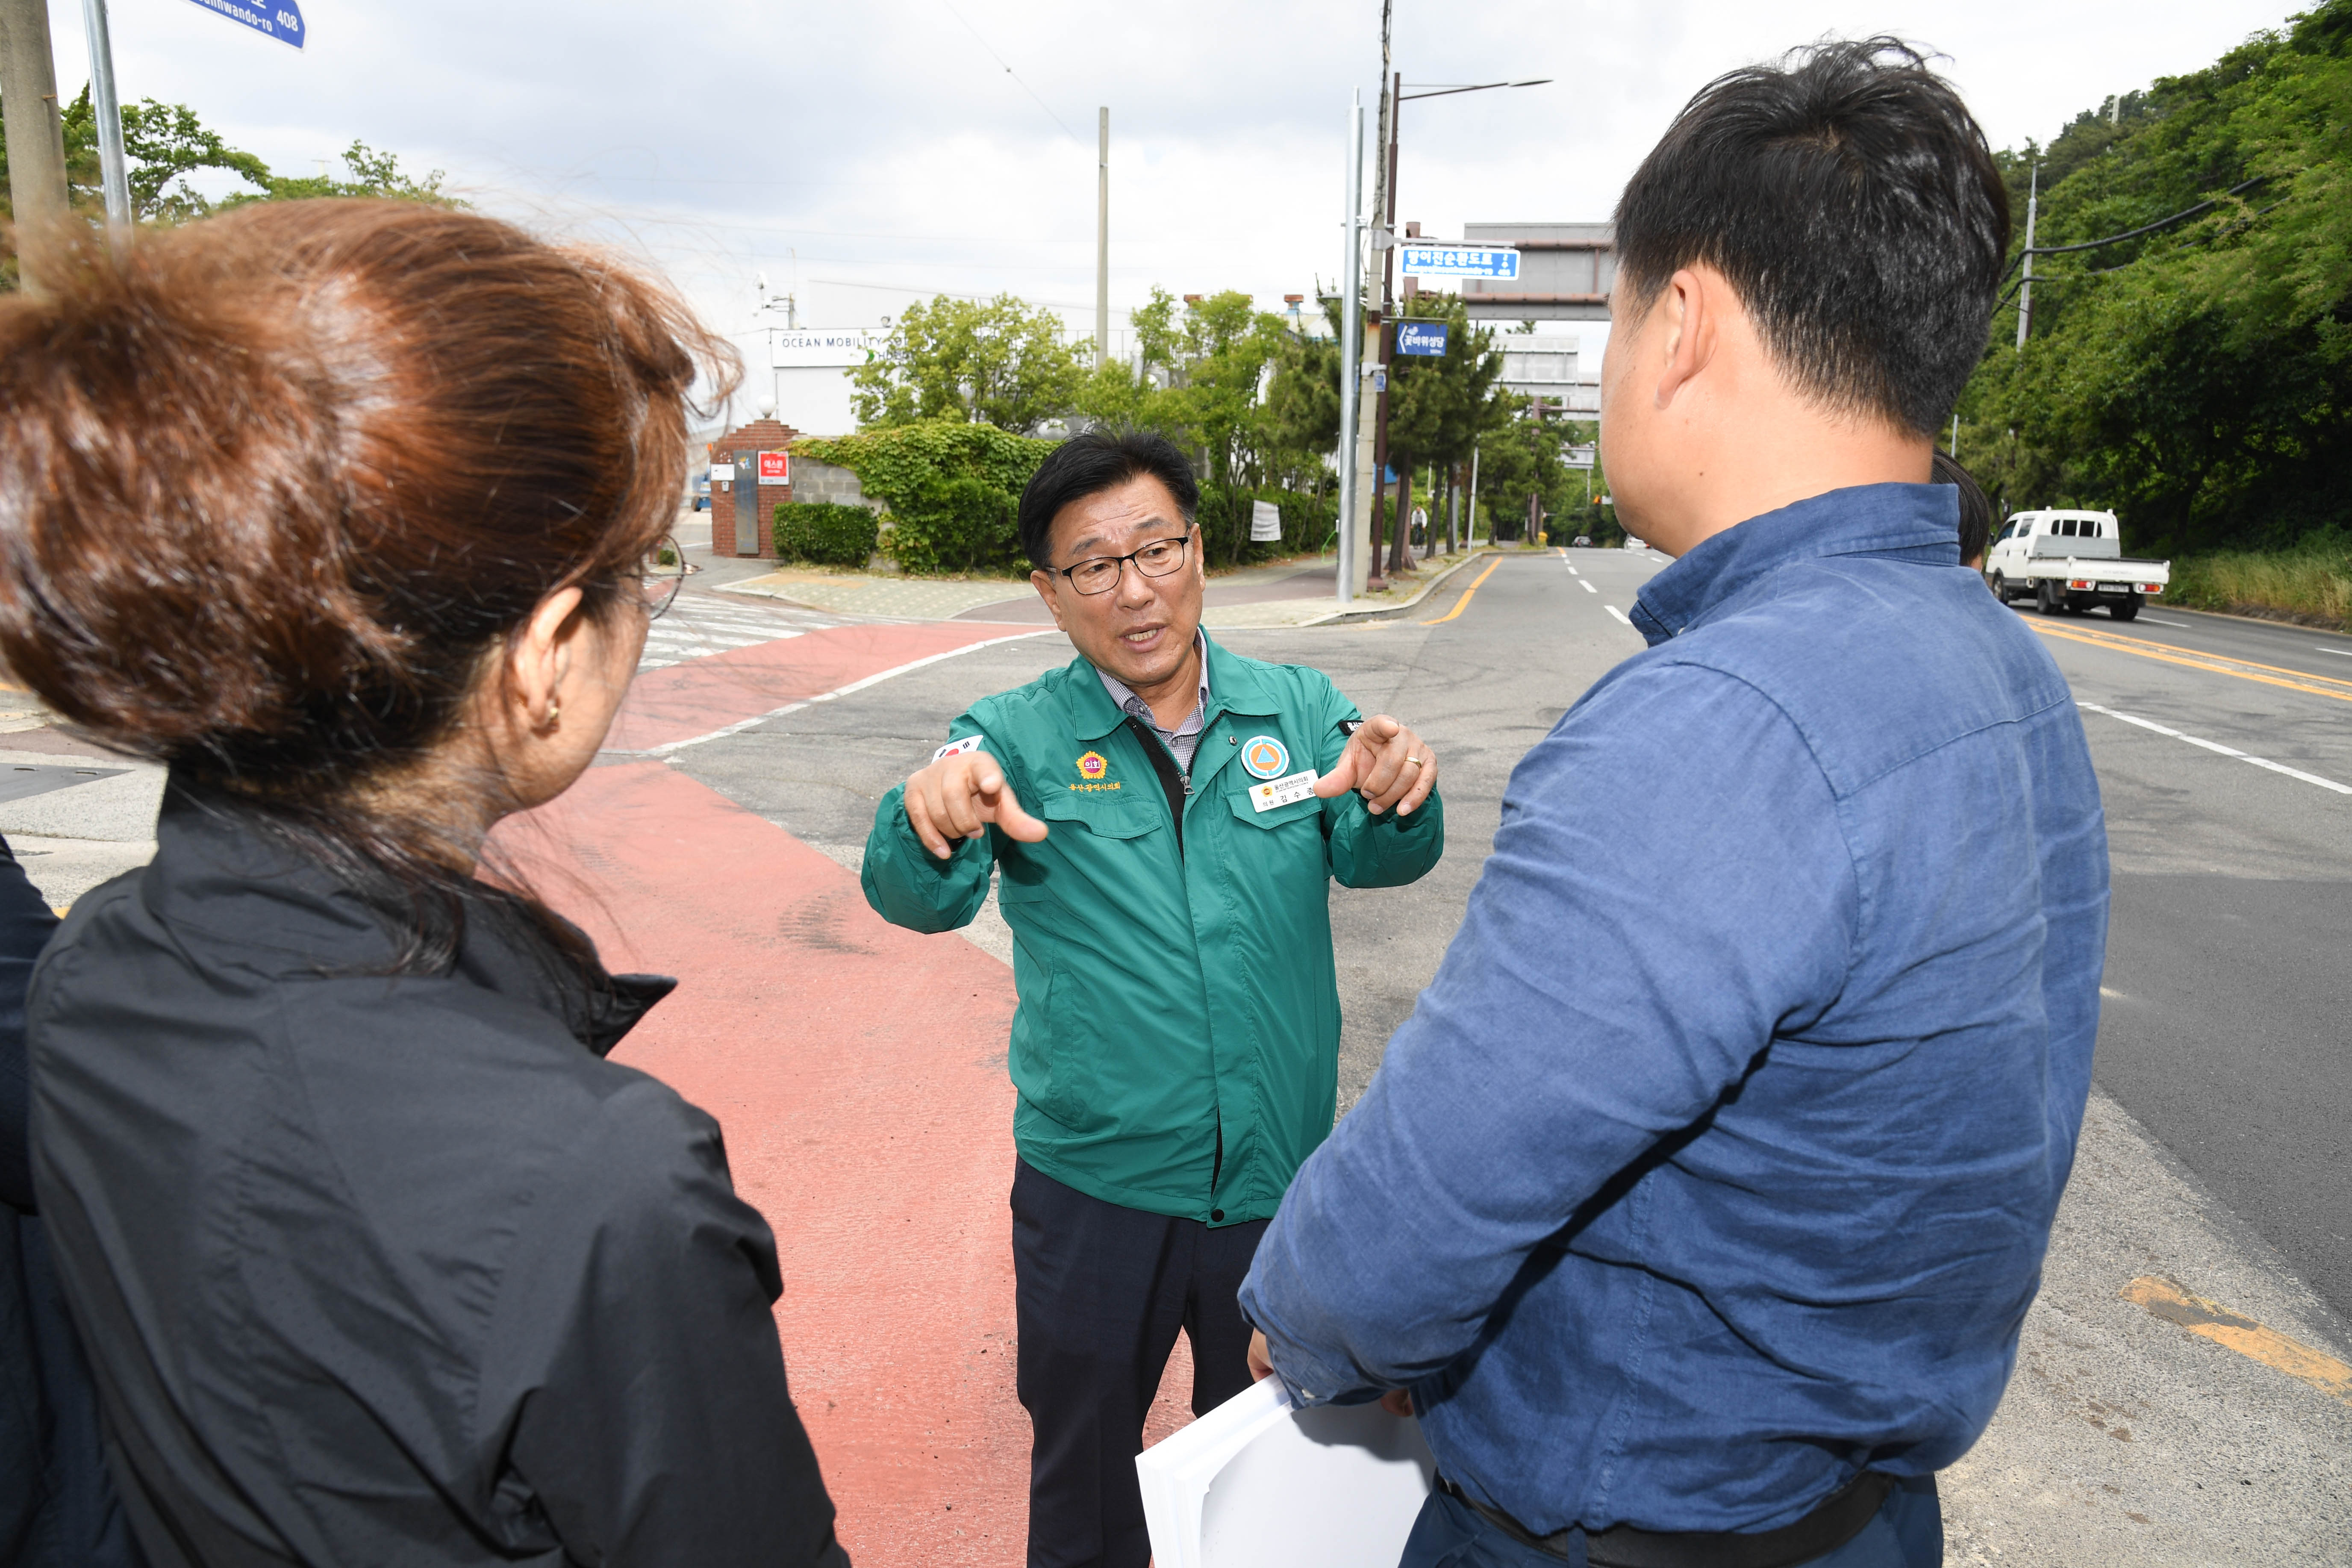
(339, 508)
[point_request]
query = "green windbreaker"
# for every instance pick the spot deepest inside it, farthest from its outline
(1177, 1044)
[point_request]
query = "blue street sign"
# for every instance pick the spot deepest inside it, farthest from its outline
(278, 19)
(1422, 338)
(1417, 259)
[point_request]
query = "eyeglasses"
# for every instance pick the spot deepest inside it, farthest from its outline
(1100, 573)
(661, 577)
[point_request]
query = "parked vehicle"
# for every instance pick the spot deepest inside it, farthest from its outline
(2072, 561)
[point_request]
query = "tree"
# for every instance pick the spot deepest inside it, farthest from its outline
(1301, 426)
(164, 144)
(1437, 404)
(1000, 363)
(2197, 379)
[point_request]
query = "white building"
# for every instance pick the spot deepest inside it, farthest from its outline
(1550, 366)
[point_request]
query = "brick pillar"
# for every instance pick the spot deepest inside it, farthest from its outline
(743, 447)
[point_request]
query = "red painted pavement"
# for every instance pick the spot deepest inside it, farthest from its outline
(683, 700)
(858, 1071)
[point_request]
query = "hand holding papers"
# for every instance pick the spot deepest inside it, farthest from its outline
(1258, 1484)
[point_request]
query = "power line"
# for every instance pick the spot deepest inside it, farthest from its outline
(1011, 72)
(2183, 215)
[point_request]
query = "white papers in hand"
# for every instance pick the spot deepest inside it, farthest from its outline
(1258, 1484)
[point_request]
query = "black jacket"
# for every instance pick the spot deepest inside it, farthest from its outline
(58, 1509)
(385, 1271)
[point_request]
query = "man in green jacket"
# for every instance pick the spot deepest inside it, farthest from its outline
(1165, 818)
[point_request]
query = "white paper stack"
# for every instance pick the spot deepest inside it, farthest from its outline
(1258, 1484)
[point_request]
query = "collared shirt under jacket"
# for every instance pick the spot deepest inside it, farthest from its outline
(1718, 1161)
(1177, 1042)
(394, 1271)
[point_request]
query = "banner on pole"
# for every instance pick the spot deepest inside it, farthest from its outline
(278, 19)
(1265, 521)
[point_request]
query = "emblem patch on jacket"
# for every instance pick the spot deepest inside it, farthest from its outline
(1091, 766)
(1265, 757)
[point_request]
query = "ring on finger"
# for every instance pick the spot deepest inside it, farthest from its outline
(1414, 761)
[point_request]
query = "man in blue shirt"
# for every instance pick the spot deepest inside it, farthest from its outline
(1698, 1207)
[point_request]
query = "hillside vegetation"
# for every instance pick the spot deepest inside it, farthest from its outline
(2196, 379)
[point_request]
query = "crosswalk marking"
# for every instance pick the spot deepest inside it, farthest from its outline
(697, 628)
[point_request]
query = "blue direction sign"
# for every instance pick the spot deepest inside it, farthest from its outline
(1422, 338)
(1422, 259)
(278, 19)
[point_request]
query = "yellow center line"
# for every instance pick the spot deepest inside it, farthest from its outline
(1462, 603)
(2206, 663)
(2208, 1320)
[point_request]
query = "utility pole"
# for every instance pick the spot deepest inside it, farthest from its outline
(1351, 345)
(1102, 237)
(37, 144)
(113, 169)
(2025, 290)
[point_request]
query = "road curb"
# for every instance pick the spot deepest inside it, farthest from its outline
(1426, 590)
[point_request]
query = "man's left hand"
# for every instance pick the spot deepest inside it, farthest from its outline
(1386, 763)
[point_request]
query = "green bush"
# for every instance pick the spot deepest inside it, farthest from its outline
(825, 534)
(956, 525)
(1225, 521)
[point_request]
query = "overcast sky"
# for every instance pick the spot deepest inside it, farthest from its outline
(864, 152)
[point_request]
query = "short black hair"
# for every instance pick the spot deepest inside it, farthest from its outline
(1848, 196)
(1976, 512)
(1094, 461)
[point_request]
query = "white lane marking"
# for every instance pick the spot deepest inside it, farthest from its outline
(1589, 587)
(670, 748)
(1616, 612)
(2151, 620)
(2217, 746)
(2338, 652)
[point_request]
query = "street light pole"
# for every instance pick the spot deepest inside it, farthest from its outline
(1351, 345)
(1102, 240)
(1384, 236)
(113, 168)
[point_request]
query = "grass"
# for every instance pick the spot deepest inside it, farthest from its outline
(2311, 583)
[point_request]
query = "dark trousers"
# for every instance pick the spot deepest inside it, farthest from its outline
(1099, 1292)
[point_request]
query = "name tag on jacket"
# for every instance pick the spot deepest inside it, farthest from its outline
(1282, 791)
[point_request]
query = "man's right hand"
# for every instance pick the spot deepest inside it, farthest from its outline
(957, 797)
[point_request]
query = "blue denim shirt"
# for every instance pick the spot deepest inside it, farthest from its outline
(1718, 1161)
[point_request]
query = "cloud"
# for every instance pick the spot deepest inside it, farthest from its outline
(849, 150)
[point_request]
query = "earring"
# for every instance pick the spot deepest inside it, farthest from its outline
(554, 713)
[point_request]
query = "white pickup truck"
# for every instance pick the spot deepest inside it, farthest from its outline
(2071, 560)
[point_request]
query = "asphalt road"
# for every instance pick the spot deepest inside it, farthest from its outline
(2213, 1154)
(2227, 1028)
(2215, 1150)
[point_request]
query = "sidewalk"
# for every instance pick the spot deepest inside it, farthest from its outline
(1283, 594)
